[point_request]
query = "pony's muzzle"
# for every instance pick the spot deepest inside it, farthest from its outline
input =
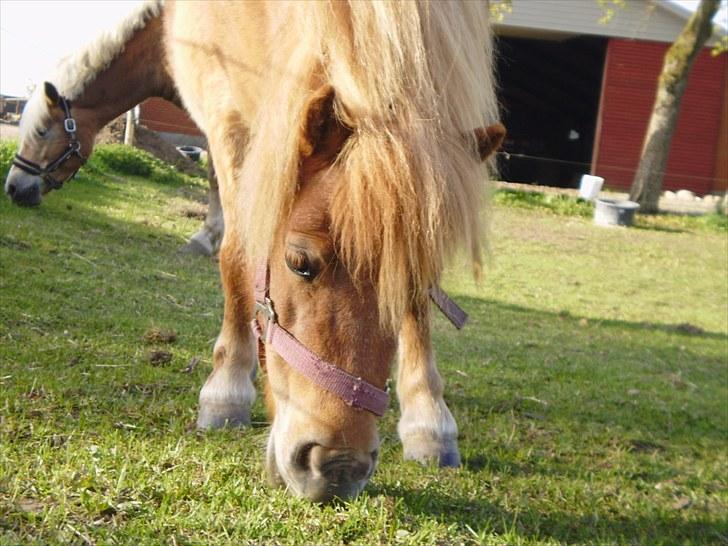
(322, 474)
(23, 189)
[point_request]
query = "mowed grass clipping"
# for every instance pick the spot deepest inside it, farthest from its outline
(590, 385)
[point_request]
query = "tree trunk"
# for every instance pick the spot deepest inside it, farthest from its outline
(647, 184)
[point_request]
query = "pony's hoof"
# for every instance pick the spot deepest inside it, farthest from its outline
(199, 244)
(217, 415)
(450, 459)
(429, 451)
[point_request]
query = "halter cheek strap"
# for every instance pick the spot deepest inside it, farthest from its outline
(351, 389)
(448, 307)
(74, 148)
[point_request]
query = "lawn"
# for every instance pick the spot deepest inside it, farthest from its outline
(590, 385)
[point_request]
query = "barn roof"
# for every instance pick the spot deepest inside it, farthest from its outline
(659, 21)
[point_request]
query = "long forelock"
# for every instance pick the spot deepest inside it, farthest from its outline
(414, 80)
(76, 71)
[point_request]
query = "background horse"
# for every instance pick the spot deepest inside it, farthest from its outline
(113, 74)
(349, 168)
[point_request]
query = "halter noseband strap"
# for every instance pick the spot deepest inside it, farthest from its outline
(351, 389)
(74, 148)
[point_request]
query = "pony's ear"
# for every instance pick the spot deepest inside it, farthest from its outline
(489, 139)
(322, 133)
(51, 93)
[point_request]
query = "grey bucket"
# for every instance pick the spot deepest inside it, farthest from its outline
(193, 152)
(614, 213)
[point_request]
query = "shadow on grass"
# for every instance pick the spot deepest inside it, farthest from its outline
(652, 227)
(482, 307)
(76, 210)
(654, 382)
(485, 516)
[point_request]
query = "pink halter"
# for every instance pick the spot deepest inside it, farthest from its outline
(351, 389)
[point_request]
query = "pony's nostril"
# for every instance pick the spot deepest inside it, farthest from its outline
(344, 467)
(11, 190)
(302, 456)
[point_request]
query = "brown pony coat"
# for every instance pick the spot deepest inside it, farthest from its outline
(343, 133)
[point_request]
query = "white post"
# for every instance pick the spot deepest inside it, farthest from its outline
(129, 131)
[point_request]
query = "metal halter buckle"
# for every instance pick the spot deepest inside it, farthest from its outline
(266, 309)
(70, 125)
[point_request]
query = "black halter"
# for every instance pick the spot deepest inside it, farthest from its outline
(74, 148)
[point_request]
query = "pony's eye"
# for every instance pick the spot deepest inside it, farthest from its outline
(300, 264)
(42, 131)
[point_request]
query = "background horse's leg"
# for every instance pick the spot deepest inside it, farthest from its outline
(427, 428)
(228, 393)
(207, 241)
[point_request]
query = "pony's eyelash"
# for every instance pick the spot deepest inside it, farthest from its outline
(297, 260)
(299, 263)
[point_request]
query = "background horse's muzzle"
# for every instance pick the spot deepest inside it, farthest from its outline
(24, 189)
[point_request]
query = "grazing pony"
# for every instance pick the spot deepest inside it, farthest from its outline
(346, 142)
(113, 74)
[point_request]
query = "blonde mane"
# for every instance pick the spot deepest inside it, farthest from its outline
(76, 71)
(413, 80)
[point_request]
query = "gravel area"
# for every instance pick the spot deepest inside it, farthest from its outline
(8, 131)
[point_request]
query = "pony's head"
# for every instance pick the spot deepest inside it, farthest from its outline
(320, 445)
(54, 142)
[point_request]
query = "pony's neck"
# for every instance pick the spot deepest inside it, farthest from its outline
(136, 74)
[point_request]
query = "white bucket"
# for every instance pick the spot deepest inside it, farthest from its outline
(590, 186)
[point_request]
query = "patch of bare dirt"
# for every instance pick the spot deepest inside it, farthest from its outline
(159, 357)
(160, 335)
(151, 142)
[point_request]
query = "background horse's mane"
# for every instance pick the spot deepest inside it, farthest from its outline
(76, 71)
(413, 79)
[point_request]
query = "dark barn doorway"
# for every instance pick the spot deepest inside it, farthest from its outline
(549, 92)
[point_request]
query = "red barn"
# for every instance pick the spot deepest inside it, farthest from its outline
(577, 95)
(164, 117)
(630, 72)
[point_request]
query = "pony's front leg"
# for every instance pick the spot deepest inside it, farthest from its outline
(427, 428)
(207, 241)
(228, 393)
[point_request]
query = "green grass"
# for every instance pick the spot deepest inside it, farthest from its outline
(564, 205)
(554, 203)
(590, 385)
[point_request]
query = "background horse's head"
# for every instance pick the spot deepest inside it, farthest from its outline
(321, 446)
(112, 74)
(54, 140)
